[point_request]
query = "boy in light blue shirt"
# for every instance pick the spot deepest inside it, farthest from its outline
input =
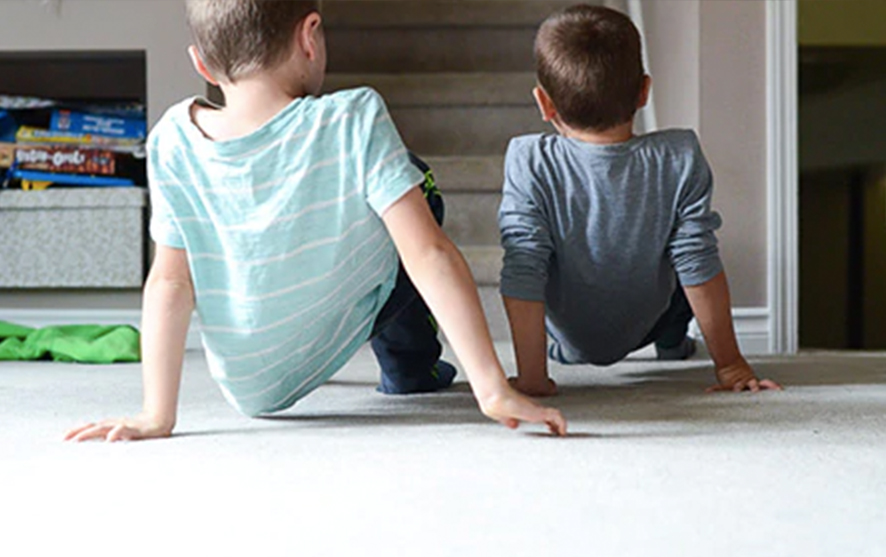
(608, 237)
(283, 217)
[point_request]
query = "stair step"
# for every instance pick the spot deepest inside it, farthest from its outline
(443, 89)
(417, 50)
(437, 13)
(485, 263)
(472, 218)
(467, 174)
(496, 317)
(473, 131)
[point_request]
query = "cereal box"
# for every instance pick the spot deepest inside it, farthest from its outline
(7, 154)
(72, 160)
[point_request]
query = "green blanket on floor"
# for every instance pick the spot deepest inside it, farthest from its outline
(88, 344)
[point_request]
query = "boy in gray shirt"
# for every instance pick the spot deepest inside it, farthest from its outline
(609, 237)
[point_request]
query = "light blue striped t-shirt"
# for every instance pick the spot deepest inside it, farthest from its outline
(289, 257)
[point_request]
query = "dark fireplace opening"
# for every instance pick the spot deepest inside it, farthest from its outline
(106, 86)
(91, 76)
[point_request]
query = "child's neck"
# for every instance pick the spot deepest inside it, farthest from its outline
(611, 136)
(249, 104)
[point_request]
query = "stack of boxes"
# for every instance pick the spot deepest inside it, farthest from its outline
(60, 226)
(45, 143)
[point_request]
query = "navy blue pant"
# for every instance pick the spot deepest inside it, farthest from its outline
(671, 328)
(668, 332)
(404, 336)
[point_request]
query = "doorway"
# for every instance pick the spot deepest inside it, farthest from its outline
(842, 167)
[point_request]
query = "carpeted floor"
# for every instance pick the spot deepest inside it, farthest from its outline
(652, 467)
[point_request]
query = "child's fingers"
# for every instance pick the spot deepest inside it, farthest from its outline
(71, 433)
(93, 432)
(511, 423)
(722, 388)
(119, 433)
(555, 421)
(753, 385)
(557, 425)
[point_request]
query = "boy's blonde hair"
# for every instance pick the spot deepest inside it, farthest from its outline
(589, 61)
(238, 38)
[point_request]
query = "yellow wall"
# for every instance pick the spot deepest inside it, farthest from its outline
(842, 22)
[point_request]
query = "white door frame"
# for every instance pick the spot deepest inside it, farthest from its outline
(782, 174)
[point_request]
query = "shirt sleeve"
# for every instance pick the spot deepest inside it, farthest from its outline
(693, 245)
(525, 233)
(383, 161)
(163, 226)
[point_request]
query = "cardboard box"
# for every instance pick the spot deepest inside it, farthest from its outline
(68, 160)
(7, 154)
(73, 238)
(27, 135)
(101, 124)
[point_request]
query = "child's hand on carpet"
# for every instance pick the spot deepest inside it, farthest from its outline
(121, 429)
(740, 377)
(510, 408)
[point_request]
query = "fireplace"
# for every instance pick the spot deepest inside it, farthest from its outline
(75, 237)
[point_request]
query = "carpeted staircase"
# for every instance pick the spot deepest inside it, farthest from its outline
(457, 76)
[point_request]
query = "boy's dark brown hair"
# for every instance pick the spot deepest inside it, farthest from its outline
(589, 60)
(237, 38)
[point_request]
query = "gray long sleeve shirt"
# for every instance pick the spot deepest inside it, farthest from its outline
(602, 234)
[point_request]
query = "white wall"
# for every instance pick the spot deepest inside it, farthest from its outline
(673, 35)
(733, 131)
(707, 59)
(155, 26)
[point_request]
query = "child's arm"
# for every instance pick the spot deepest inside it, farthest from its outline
(444, 281)
(712, 307)
(166, 314)
(527, 320)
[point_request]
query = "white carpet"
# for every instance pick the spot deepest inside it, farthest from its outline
(653, 467)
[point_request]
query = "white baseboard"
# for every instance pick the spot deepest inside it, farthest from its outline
(46, 317)
(752, 330)
(752, 326)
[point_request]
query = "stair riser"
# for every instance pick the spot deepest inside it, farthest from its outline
(465, 131)
(485, 263)
(468, 174)
(496, 317)
(430, 50)
(437, 13)
(442, 89)
(472, 218)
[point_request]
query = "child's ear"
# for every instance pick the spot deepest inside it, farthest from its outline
(644, 92)
(200, 66)
(309, 34)
(545, 104)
